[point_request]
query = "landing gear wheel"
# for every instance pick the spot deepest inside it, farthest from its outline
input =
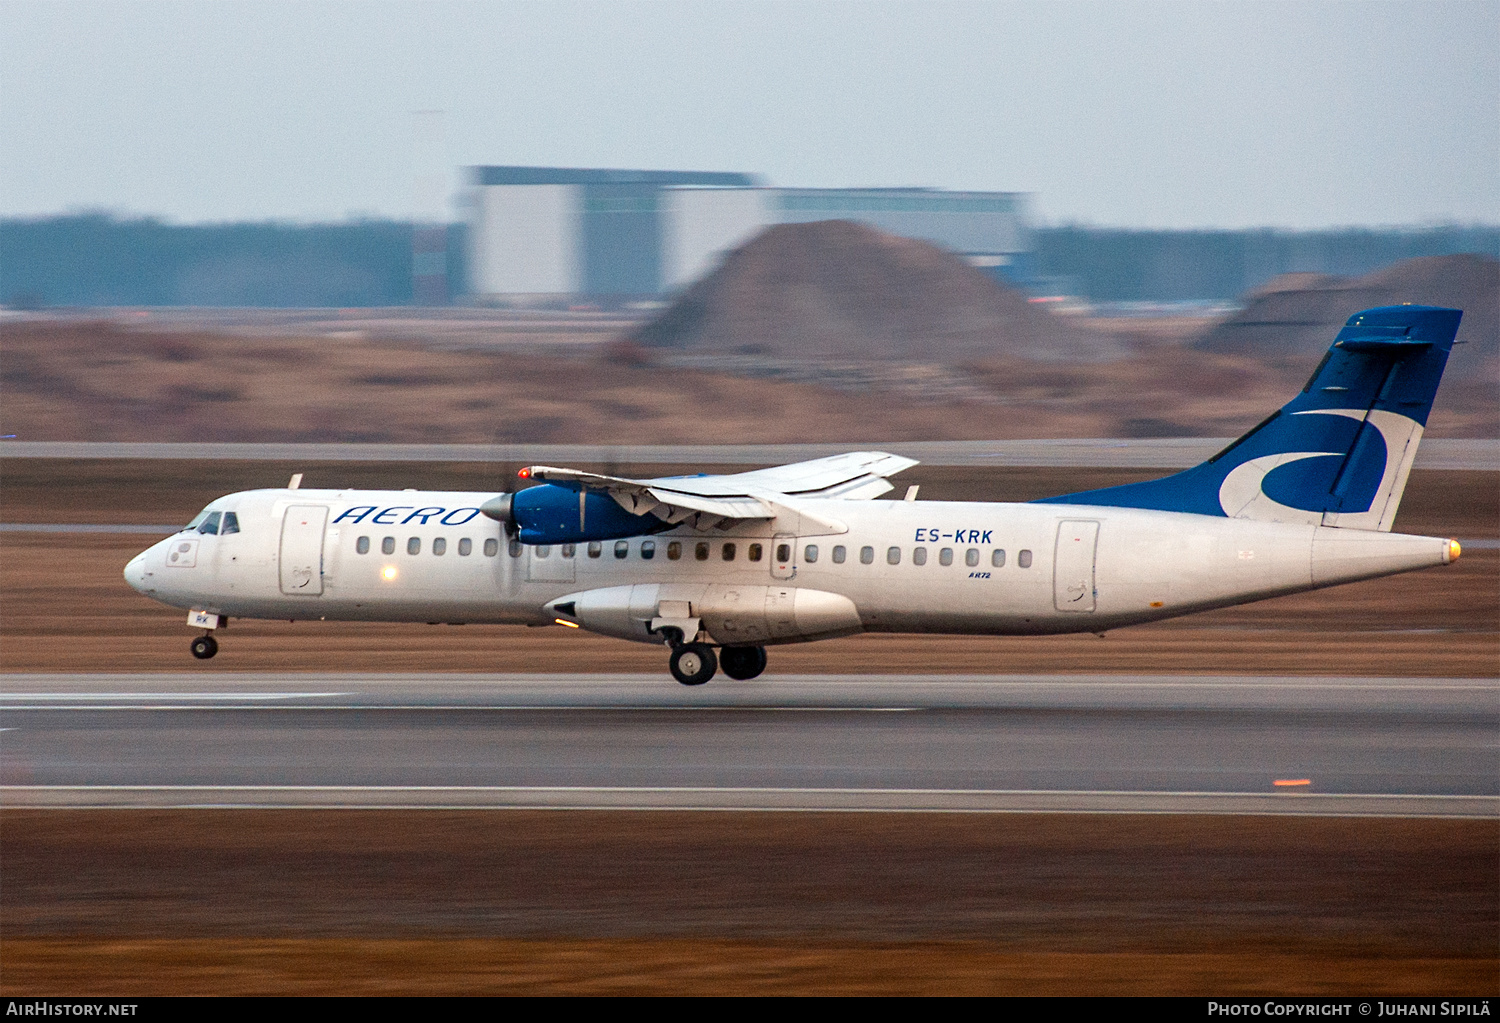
(204, 647)
(693, 664)
(743, 662)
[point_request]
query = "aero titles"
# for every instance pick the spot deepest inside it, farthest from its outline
(392, 516)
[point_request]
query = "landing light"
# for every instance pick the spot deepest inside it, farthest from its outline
(1454, 550)
(564, 621)
(388, 573)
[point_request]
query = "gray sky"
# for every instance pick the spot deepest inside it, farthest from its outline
(1139, 114)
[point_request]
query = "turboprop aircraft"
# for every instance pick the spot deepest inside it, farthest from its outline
(717, 568)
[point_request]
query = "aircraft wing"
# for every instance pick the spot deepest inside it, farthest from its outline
(856, 475)
(655, 497)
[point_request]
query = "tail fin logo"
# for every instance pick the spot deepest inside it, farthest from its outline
(1356, 476)
(1245, 485)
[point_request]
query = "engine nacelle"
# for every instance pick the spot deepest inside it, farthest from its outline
(732, 615)
(553, 514)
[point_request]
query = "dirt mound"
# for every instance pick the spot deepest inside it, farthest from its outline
(839, 290)
(1300, 313)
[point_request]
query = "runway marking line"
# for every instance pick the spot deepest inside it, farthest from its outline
(69, 697)
(1456, 807)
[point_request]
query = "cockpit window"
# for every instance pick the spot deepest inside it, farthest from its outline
(197, 520)
(210, 524)
(231, 524)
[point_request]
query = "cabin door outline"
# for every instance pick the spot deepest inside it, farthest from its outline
(1073, 566)
(301, 556)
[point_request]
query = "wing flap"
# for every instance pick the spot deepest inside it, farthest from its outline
(710, 501)
(804, 479)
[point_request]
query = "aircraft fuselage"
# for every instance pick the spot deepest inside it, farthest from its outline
(880, 566)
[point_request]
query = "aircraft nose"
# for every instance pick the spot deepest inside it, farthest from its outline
(135, 573)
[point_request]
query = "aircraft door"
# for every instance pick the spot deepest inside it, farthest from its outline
(302, 549)
(783, 556)
(1073, 566)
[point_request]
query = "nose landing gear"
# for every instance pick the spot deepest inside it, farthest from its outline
(204, 647)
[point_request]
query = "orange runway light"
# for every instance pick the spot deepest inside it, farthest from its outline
(1283, 783)
(564, 621)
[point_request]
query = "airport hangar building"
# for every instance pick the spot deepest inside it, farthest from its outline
(542, 235)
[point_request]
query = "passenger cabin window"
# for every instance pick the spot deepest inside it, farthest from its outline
(492, 547)
(783, 552)
(753, 552)
(867, 555)
(728, 552)
(700, 552)
(231, 524)
(945, 556)
(541, 550)
(439, 546)
(569, 550)
(362, 545)
(465, 547)
(893, 556)
(622, 548)
(1024, 559)
(674, 550)
(971, 557)
(648, 550)
(810, 553)
(414, 545)
(997, 557)
(838, 555)
(918, 556)
(515, 548)
(595, 548)
(388, 545)
(210, 524)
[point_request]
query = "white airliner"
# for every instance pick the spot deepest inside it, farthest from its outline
(800, 552)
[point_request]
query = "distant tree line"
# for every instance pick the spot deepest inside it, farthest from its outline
(1121, 265)
(97, 259)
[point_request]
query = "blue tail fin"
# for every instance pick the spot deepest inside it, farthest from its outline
(1338, 453)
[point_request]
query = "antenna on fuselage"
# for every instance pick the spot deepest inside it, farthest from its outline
(296, 482)
(911, 492)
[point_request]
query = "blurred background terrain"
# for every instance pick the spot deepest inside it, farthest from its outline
(824, 331)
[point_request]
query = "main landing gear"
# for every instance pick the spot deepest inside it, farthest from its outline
(204, 647)
(743, 662)
(693, 664)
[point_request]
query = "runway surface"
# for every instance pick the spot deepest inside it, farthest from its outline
(1379, 746)
(1147, 453)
